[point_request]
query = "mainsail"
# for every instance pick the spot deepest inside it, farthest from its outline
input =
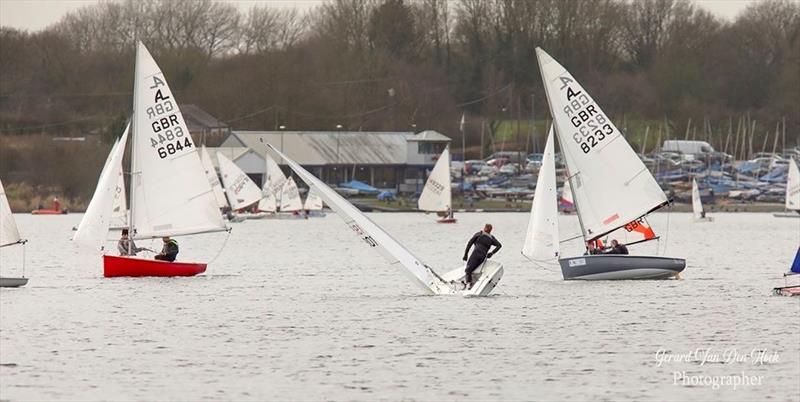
(9, 234)
(275, 179)
(541, 240)
(170, 194)
(436, 195)
(611, 185)
(99, 214)
(793, 187)
(367, 230)
(313, 201)
(697, 205)
(290, 197)
(239, 187)
(119, 209)
(213, 178)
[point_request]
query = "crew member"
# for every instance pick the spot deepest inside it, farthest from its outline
(483, 241)
(617, 248)
(170, 250)
(126, 246)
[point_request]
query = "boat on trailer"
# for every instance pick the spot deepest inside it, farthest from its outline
(792, 192)
(161, 147)
(9, 236)
(450, 283)
(612, 190)
(437, 194)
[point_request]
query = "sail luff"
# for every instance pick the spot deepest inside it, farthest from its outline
(213, 178)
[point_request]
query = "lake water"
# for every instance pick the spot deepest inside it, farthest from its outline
(303, 310)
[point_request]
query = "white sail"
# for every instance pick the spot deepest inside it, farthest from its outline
(793, 186)
(275, 178)
(119, 208)
(367, 230)
(94, 225)
(239, 187)
(697, 205)
(435, 196)
(169, 192)
(9, 234)
(290, 197)
(566, 193)
(541, 240)
(611, 185)
(313, 201)
(268, 202)
(213, 178)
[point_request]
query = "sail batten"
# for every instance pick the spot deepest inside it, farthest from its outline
(598, 156)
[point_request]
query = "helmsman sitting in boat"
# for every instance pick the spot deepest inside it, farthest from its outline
(483, 241)
(126, 246)
(617, 248)
(170, 250)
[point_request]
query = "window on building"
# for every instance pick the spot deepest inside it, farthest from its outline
(430, 147)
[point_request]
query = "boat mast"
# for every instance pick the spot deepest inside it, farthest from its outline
(134, 165)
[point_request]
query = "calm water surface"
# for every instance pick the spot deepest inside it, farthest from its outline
(304, 310)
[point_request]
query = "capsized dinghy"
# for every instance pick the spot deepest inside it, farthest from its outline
(488, 274)
(613, 190)
(9, 236)
(161, 147)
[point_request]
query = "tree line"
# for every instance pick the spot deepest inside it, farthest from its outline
(405, 65)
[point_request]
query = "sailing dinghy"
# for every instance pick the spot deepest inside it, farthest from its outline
(794, 272)
(697, 205)
(488, 274)
(170, 195)
(313, 204)
(792, 192)
(541, 240)
(436, 195)
(9, 236)
(275, 188)
(241, 191)
(613, 191)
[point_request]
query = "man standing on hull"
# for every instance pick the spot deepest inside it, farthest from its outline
(482, 241)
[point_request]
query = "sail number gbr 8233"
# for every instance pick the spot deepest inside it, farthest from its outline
(593, 126)
(168, 137)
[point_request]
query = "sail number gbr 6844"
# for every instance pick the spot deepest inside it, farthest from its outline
(593, 127)
(168, 137)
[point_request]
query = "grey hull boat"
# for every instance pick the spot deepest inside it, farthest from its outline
(12, 282)
(618, 267)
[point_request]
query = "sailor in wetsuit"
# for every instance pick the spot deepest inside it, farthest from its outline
(483, 241)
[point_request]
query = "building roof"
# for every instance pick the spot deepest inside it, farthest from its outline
(318, 148)
(198, 119)
(429, 136)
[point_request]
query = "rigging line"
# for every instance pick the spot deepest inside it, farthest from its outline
(63, 123)
(485, 97)
(359, 114)
(224, 243)
(250, 114)
(539, 263)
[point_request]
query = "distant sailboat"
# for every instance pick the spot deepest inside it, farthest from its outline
(216, 187)
(612, 189)
(794, 272)
(697, 205)
(436, 195)
(541, 239)
(488, 274)
(313, 204)
(241, 191)
(170, 195)
(290, 197)
(9, 236)
(792, 192)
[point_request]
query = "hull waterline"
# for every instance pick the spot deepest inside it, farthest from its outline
(620, 267)
(116, 266)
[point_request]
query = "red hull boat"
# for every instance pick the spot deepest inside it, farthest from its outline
(48, 212)
(447, 220)
(116, 266)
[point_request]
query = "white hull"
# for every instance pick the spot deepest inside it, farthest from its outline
(486, 278)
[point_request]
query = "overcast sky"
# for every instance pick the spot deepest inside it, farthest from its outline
(37, 14)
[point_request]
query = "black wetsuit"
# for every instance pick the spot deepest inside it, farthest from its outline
(618, 249)
(483, 242)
